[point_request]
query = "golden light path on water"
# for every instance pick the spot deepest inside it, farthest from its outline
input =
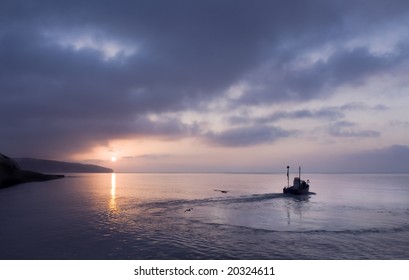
(112, 202)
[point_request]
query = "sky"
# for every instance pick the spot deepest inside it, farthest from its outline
(202, 86)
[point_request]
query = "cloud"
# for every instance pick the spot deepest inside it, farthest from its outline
(347, 129)
(75, 74)
(149, 156)
(278, 82)
(247, 136)
(389, 160)
(109, 49)
(328, 113)
(403, 124)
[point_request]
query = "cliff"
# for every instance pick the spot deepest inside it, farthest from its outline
(53, 166)
(11, 174)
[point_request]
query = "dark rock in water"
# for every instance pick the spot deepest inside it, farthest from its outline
(11, 174)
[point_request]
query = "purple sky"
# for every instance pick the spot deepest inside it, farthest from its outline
(207, 85)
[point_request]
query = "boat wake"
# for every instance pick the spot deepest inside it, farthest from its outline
(183, 204)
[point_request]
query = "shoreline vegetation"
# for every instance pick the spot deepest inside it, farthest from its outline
(24, 170)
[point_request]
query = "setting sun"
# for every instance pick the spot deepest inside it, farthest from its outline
(113, 158)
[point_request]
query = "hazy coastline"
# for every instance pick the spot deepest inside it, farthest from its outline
(24, 170)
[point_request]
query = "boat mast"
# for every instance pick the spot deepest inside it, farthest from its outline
(299, 172)
(288, 176)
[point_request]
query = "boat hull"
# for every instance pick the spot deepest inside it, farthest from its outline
(297, 191)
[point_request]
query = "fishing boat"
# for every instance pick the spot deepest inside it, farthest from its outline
(299, 186)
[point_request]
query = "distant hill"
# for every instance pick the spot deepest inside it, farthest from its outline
(53, 166)
(11, 174)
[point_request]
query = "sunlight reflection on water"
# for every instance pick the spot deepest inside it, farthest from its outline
(112, 202)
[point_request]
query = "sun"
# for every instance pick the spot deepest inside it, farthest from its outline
(113, 158)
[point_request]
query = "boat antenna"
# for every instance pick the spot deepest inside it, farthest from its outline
(288, 175)
(299, 172)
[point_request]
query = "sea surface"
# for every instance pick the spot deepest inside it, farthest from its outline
(143, 216)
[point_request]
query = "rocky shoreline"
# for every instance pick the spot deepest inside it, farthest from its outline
(11, 174)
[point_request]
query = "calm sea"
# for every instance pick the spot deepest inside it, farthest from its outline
(143, 216)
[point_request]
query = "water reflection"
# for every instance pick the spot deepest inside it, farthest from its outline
(296, 205)
(112, 202)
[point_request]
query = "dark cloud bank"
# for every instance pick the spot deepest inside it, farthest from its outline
(392, 159)
(58, 96)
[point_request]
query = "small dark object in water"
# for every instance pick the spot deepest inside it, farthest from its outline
(222, 191)
(190, 209)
